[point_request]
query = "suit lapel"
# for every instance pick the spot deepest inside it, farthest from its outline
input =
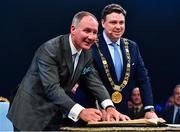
(171, 114)
(68, 54)
(79, 68)
(105, 51)
(124, 59)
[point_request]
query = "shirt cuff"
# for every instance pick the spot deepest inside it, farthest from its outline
(106, 103)
(74, 112)
(149, 107)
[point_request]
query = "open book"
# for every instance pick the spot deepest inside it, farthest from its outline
(135, 122)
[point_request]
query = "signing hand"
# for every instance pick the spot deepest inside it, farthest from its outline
(90, 115)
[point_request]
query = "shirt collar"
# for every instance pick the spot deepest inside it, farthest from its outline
(108, 41)
(138, 106)
(73, 49)
(176, 107)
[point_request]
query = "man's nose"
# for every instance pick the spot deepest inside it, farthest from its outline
(118, 25)
(91, 36)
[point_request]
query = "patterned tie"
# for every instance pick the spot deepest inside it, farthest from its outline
(177, 118)
(75, 62)
(117, 61)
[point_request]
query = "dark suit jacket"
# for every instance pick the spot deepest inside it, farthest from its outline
(136, 115)
(46, 87)
(167, 114)
(138, 73)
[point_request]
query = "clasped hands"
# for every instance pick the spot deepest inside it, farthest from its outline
(94, 115)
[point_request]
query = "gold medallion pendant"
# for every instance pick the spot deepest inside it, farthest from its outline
(116, 97)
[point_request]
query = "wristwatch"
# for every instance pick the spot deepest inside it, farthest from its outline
(149, 110)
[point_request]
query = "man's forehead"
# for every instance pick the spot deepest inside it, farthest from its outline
(88, 19)
(88, 23)
(177, 89)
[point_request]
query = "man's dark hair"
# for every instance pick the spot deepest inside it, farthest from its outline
(112, 8)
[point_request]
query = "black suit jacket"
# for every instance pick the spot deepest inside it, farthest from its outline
(168, 113)
(136, 115)
(138, 73)
(46, 87)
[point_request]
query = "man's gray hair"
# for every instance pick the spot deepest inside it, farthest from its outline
(78, 17)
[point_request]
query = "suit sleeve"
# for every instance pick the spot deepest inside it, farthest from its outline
(141, 75)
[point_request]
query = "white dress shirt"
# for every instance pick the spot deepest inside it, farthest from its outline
(111, 48)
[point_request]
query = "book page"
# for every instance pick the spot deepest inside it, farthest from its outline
(136, 122)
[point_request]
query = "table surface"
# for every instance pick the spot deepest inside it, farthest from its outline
(101, 129)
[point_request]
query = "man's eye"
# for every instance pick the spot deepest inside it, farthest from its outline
(121, 22)
(113, 22)
(95, 33)
(87, 31)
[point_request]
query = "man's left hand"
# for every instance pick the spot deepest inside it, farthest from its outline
(150, 115)
(113, 115)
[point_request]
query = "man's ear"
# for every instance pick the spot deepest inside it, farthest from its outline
(102, 22)
(72, 29)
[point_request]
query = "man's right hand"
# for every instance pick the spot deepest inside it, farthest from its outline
(90, 115)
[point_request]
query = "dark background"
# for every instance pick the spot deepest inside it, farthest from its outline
(153, 24)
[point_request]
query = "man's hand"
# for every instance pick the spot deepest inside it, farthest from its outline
(90, 115)
(113, 115)
(74, 88)
(150, 115)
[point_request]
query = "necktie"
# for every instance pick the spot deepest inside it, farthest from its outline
(177, 117)
(75, 58)
(117, 61)
(136, 110)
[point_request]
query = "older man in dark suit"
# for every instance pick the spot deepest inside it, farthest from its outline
(172, 114)
(44, 98)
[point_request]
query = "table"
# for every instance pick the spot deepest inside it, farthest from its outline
(112, 129)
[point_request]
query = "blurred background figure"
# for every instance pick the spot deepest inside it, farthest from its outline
(130, 104)
(169, 102)
(136, 110)
(172, 113)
